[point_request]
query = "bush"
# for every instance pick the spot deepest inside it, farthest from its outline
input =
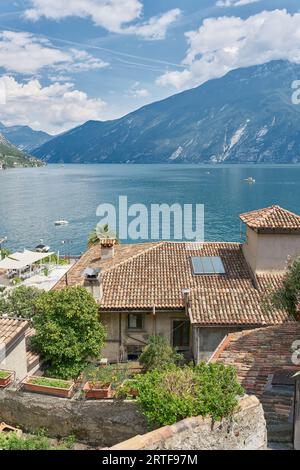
(288, 295)
(168, 396)
(68, 331)
(158, 354)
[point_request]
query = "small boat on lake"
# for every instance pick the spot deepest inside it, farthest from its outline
(42, 248)
(61, 222)
(250, 180)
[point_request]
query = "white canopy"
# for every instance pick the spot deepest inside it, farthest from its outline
(21, 260)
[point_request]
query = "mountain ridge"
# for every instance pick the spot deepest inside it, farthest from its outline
(11, 156)
(247, 116)
(24, 137)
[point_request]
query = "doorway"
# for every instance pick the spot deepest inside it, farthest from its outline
(181, 334)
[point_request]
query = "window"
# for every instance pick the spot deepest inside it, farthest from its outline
(208, 265)
(135, 321)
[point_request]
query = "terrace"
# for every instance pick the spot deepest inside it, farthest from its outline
(29, 268)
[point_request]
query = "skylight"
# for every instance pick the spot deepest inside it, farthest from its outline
(208, 265)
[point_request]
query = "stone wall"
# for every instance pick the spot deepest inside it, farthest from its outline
(97, 423)
(246, 431)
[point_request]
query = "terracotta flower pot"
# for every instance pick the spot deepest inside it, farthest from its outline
(97, 391)
(49, 390)
(7, 380)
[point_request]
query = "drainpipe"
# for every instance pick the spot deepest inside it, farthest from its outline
(186, 299)
(154, 320)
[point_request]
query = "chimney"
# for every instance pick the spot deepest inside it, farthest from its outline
(93, 283)
(107, 248)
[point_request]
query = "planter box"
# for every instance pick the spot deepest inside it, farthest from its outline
(96, 391)
(49, 390)
(7, 380)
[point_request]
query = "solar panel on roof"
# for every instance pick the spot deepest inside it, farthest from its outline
(208, 265)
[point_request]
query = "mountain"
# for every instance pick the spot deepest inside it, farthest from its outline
(245, 116)
(24, 137)
(11, 156)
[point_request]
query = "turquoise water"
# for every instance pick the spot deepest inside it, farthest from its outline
(32, 199)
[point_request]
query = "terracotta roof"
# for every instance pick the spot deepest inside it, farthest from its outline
(257, 355)
(142, 276)
(11, 329)
(274, 217)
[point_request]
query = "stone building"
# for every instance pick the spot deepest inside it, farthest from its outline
(15, 352)
(193, 295)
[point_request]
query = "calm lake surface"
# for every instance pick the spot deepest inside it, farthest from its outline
(32, 199)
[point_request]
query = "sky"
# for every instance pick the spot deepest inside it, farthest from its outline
(64, 62)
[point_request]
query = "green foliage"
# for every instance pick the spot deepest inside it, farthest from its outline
(4, 374)
(113, 374)
(168, 396)
(55, 259)
(68, 331)
(127, 390)
(19, 302)
(47, 382)
(101, 232)
(11, 441)
(4, 252)
(158, 354)
(288, 296)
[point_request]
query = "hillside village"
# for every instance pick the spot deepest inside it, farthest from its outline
(206, 307)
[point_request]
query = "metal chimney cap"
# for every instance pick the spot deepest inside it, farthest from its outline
(91, 272)
(186, 291)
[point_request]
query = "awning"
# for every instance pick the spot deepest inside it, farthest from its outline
(21, 260)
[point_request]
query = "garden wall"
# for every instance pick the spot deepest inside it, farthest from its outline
(246, 431)
(97, 423)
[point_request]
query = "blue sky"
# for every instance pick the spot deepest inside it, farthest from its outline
(64, 62)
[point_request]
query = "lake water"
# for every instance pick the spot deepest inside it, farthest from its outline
(32, 199)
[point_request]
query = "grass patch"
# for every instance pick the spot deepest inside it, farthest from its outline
(11, 441)
(46, 382)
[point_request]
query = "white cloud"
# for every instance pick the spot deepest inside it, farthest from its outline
(27, 54)
(112, 15)
(226, 43)
(156, 27)
(53, 108)
(235, 3)
(136, 91)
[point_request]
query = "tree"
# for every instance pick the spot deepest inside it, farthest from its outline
(4, 252)
(287, 297)
(19, 302)
(158, 354)
(68, 331)
(101, 232)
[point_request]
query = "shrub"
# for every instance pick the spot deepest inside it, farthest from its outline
(288, 295)
(170, 395)
(158, 354)
(68, 331)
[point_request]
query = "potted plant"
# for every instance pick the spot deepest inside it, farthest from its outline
(98, 390)
(102, 382)
(99, 383)
(47, 386)
(127, 390)
(6, 378)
